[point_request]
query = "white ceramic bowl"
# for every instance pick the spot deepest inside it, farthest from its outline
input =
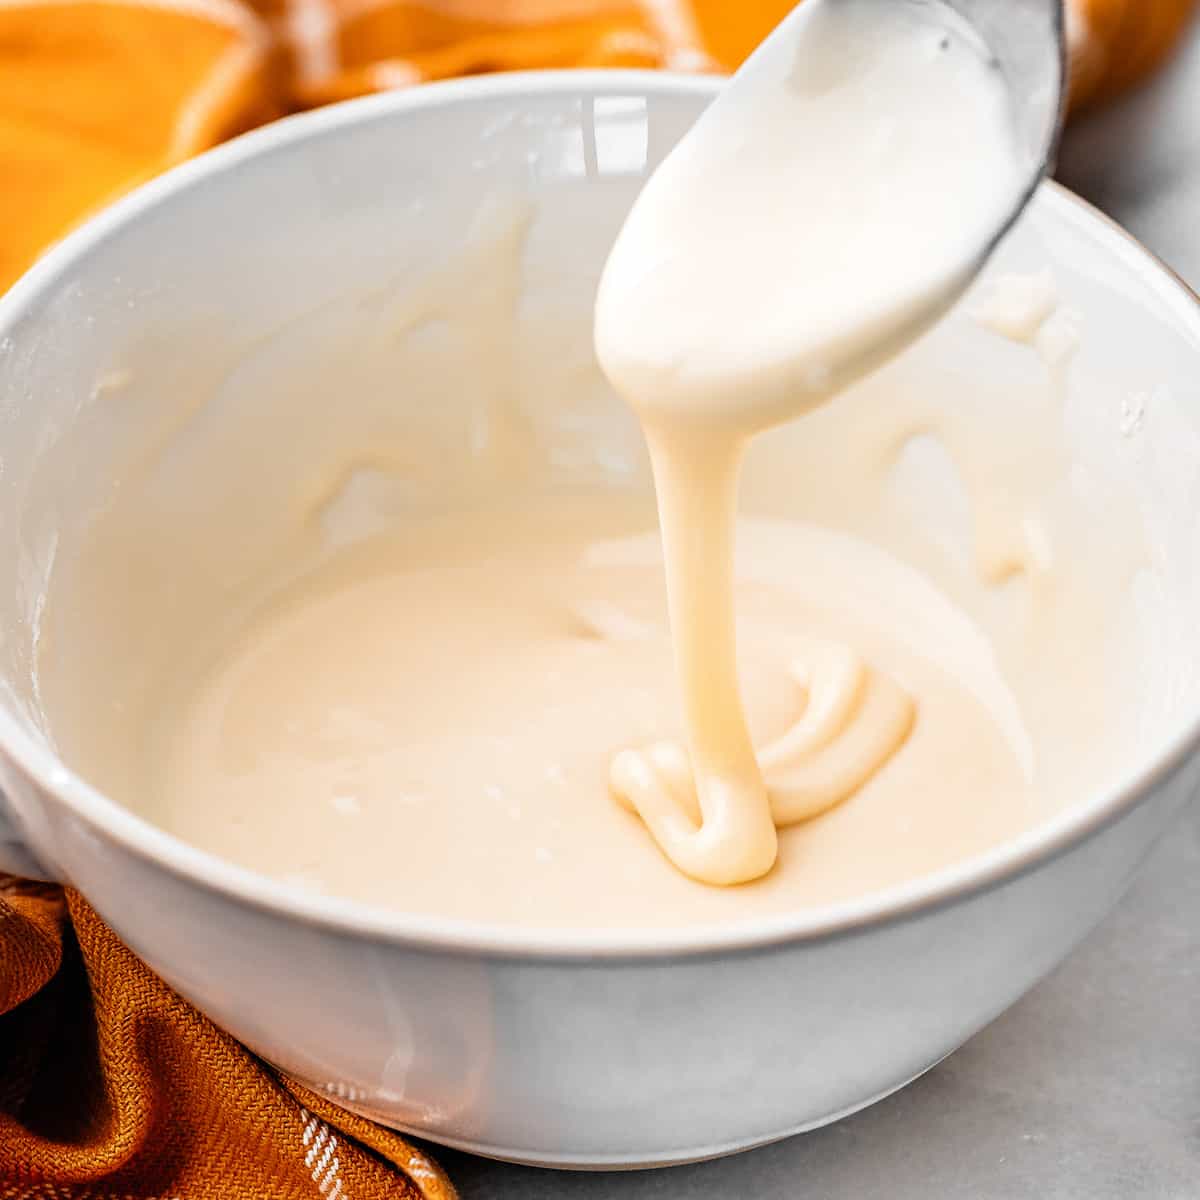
(591, 1050)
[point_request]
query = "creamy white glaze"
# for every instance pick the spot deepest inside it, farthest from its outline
(833, 199)
(430, 720)
(837, 195)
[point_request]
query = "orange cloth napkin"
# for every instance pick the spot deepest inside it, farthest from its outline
(97, 95)
(112, 1088)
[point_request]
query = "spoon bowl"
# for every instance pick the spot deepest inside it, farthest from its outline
(841, 193)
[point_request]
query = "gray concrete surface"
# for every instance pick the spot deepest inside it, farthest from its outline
(1089, 1089)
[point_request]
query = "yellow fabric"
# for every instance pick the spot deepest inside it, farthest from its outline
(1117, 43)
(97, 95)
(112, 1088)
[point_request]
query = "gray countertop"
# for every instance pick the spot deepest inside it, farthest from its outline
(1088, 1089)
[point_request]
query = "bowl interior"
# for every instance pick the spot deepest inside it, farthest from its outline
(215, 353)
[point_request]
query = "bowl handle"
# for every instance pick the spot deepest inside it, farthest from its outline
(15, 856)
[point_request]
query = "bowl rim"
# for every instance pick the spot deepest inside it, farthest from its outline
(955, 883)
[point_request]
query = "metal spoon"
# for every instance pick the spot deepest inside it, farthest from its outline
(681, 328)
(1027, 40)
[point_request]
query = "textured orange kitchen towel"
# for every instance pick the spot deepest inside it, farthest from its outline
(112, 1088)
(97, 95)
